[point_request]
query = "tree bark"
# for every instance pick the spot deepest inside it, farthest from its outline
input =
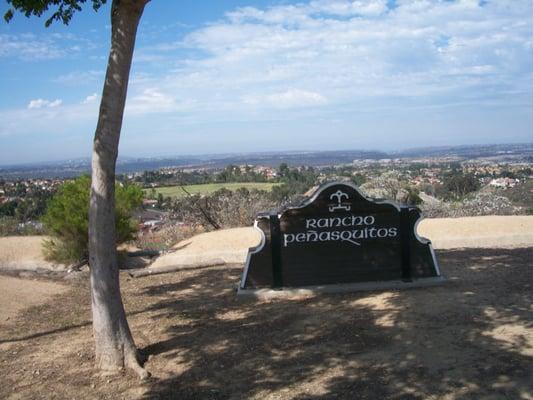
(115, 348)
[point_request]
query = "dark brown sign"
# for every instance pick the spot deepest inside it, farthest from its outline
(338, 236)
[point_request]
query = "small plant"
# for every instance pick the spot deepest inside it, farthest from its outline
(8, 226)
(67, 219)
(412, 196)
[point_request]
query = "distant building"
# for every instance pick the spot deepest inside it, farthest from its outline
(504, 182)
(149, 203)
(266, 171)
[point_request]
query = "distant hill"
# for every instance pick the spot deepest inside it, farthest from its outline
(72, 168)
(523, 150)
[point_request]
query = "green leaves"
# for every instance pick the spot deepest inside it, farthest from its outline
(62, 10)
(67, 218)
(8, 15)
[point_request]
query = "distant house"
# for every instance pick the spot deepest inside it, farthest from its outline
(151, 220)
(266, 171)
(149, 203)
(150, 225)
(504, 183)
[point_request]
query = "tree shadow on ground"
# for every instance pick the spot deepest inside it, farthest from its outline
(465, 339)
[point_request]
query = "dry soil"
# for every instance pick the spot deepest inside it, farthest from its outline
(470, 338)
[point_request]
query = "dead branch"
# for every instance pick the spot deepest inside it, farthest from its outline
(173, 268)
(206, 215)
(143, 253)
(77, 265)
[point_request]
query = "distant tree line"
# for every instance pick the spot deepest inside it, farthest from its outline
(457, 184)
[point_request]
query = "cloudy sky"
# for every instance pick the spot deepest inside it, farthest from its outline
(242, 76)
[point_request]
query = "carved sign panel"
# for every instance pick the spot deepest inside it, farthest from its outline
(338, 236)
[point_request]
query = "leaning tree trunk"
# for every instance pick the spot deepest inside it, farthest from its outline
(115, 348)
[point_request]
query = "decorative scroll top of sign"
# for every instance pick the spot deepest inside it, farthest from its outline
(338, 236)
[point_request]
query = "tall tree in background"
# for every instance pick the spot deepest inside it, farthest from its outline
(115, 348)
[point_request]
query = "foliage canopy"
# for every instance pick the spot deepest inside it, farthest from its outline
(63, 10)
(67, 218)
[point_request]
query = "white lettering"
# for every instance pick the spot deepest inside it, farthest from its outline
(322, 223)
(313, 234)
(334, 222)
(358, 234)
(368, 232)
(356, 221)
(369, 220)
(324, 236)
(286, 238)
(382, 232)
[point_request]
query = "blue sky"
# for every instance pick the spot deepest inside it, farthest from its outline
(243, 76)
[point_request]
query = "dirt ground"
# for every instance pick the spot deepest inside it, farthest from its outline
(17, 294)
(231, 245)
(478, 232)
(24, 253)
(471, 338)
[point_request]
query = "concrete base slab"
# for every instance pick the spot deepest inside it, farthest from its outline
(289, 292)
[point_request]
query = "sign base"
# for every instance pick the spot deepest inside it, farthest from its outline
(289, 292)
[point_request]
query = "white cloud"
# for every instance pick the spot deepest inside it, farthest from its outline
(152, 100)
(46, 117)
(91, 98)
(350, 8)
(30, 47)
(321, 60)
(45, 46)
(335, 53)
(42, 103)
(291, 98)
(78, 78)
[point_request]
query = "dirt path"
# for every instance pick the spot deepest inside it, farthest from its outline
(469, 339)
(17, 294)
(478, 232)
(24, 253)
(232, 245)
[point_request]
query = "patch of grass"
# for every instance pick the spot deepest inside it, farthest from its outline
(176, 191)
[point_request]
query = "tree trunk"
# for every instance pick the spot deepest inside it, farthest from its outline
(115, 348)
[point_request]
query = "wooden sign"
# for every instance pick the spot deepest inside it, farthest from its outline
(338, 236)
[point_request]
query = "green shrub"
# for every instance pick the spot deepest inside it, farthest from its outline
(456, 185)
(67, 219)
(412, 196)
(8, 226)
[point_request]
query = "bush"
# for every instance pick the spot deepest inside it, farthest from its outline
(167, 236)
(475, 204)
(223, 208)
(456, 185)
(67, 219)
(8, 226)
(387, 186)
(412, 196)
